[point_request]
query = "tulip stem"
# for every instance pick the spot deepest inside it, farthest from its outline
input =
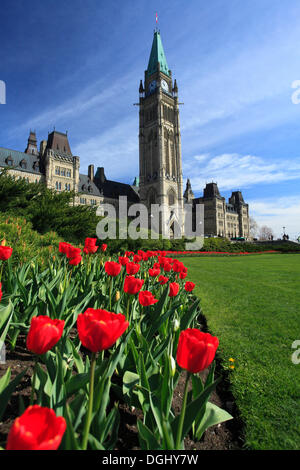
(1, 270)
(88, 419)
(110, 289)
(128, 303)
(33, 382)
(182, 414)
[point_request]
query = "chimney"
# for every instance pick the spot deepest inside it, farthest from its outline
(91, 172)
(102, 174)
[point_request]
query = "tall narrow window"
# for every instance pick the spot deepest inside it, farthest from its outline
(173, 160)
(167, 157)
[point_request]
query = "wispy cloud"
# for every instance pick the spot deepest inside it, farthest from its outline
(116, 150)
(235, 171)
(278, 213)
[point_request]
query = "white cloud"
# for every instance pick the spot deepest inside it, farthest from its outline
(278, 213)
(235, 171)
(116, 150)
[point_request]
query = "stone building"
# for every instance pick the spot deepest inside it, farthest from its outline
(54, 164)
(223, 219)
(160, 164)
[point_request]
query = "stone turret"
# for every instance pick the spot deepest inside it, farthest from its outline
(188, 193)
(32, 144)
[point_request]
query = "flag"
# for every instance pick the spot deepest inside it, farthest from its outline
(156, 18)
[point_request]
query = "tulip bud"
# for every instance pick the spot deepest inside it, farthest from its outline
(118, 296)
(61, 288)
(3, 242)
(176, 324)
(32, 265)
(172, 365)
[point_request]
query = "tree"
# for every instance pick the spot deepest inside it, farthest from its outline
(47, 209)
(266, 233)
(253, 227)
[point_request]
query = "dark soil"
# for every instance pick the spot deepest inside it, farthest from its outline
(225, 436)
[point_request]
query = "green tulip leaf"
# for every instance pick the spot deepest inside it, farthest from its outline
(213, 415)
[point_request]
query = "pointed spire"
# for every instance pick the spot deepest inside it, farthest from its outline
(32, 144)
(157, 61)
(188, 193)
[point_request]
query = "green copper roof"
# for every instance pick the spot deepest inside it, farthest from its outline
(157, 55)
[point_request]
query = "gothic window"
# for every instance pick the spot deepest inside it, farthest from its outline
(167, 157)
(23, 164)
(36, 166)
(9, 161)
(151, 197)
(173, 159)
(171, 198)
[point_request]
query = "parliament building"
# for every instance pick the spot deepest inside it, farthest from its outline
(160, 163)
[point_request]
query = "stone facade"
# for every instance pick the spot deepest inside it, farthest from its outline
(230, 220)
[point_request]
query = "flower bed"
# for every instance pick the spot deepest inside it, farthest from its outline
(101, 332)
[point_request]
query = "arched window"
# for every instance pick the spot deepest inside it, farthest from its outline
(171, 198)
(151, 197)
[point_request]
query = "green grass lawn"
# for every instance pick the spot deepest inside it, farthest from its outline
(252, 304)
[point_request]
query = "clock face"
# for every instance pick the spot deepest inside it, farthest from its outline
(164, 85)
(152, 86)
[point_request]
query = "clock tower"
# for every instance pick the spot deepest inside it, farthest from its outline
(160, 144)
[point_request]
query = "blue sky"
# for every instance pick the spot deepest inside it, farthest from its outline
(76, 65)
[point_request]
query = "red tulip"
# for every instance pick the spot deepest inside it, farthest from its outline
(75, 261)
(132, 285)
(112, 268)
(64, 247)
(137, 258)
(163, 280)
(38, 428)
(196, 350)
(90, 246)
(182, 275)
(167, 267)
(189, 286)
(5, 252)
(43, 334)
(174, 289)
(178, 266)
(99, 329)
(129, 253)
(146, 298)
(123, 260)
(103, 247)
(154, 272)
(73, 252)
(132, 268)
